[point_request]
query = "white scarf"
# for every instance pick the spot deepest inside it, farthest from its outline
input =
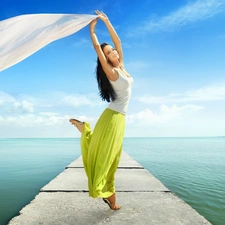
(23, 35)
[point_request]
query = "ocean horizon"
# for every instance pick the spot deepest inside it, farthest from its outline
(191, 167)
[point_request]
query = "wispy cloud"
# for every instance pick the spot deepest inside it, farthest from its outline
(25, 106)
(83, 42)
(76, 100)
(210, 93)
(187, 15)
(29, 104)
(11, 104)
(42, 119)
(165, 114)
(138, 65)
(5, 98)
(31, 120)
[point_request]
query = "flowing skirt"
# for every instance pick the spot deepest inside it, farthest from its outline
(101, 151)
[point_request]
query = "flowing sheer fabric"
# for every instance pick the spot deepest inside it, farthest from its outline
(23, 35)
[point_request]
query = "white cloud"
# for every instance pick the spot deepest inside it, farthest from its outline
(25, 106)
(76, 100)
(50, 121)
(11, 104)
(209, 93)
(6, 98)
(42, 119)
(28, 104)
(165, 115)
(31, 120)
(189, 14)
(59, 99)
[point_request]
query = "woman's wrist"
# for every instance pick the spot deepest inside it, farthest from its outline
(107, 21)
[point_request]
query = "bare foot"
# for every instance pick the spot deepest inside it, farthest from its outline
(116, 207)
(111, 201)
(78, 124)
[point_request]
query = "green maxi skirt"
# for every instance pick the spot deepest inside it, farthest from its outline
(101, 151)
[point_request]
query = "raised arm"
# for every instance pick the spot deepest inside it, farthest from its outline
(114, 36)
(109, 71)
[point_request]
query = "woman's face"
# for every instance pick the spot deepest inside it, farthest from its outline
(110, 53)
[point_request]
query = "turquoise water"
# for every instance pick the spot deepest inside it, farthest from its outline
(26, 165)
(193, 168)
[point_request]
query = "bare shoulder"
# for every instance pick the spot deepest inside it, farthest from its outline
(112, 74)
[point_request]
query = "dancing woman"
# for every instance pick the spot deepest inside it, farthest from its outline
(102, 148)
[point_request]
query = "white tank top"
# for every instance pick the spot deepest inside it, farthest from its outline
(122, 87)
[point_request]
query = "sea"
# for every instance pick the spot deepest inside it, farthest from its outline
(192, 168)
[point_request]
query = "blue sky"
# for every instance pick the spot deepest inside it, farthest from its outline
(173, 49)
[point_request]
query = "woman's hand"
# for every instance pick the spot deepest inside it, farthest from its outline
(101, 16)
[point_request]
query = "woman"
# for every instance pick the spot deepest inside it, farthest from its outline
(101, 149)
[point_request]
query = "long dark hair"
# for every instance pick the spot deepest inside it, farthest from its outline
(106, 90)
